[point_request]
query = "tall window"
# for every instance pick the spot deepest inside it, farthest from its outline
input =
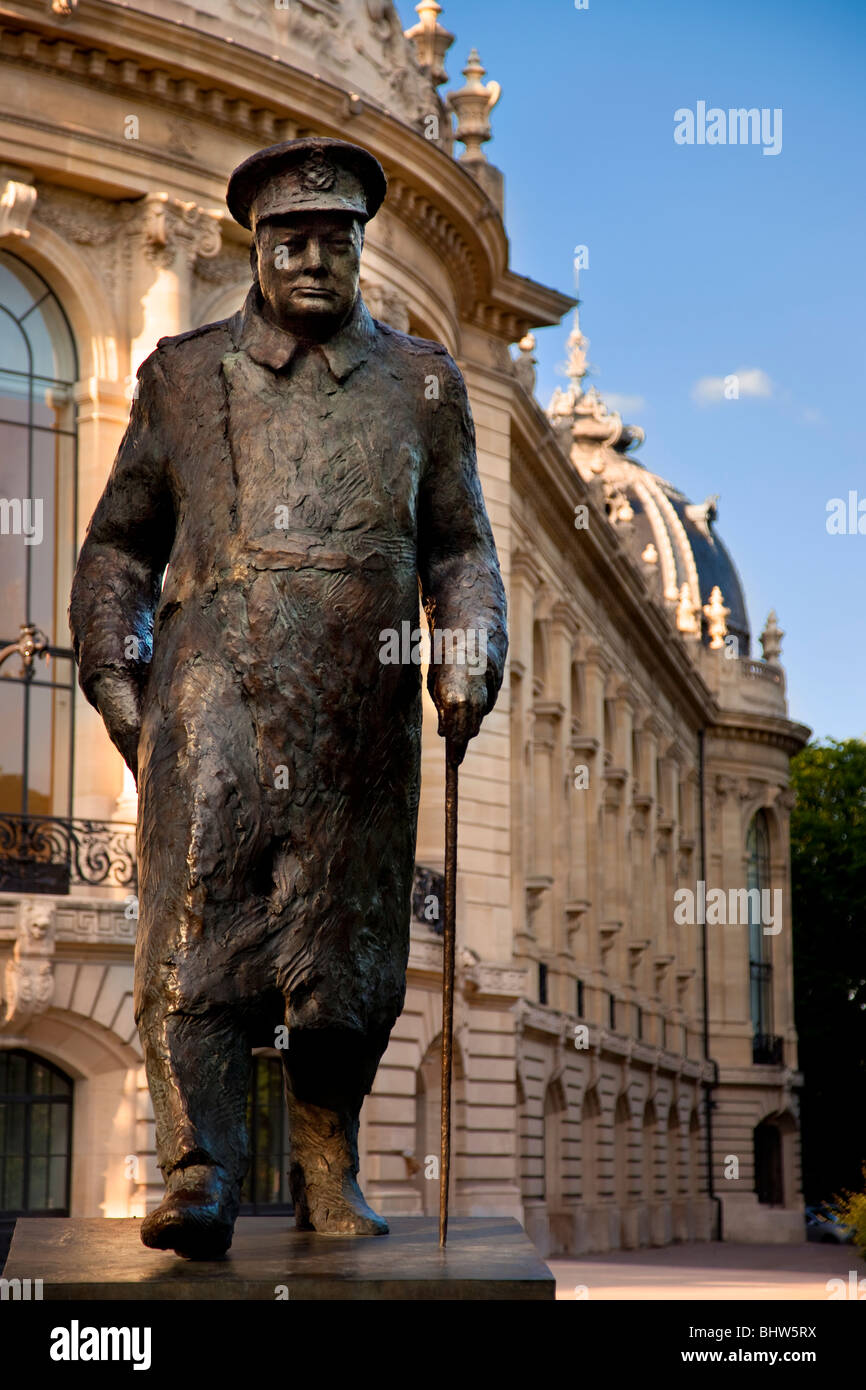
(38, 370)
(35, 1133)
(760, 964)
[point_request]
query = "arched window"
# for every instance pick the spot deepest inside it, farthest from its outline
(266, 1186)
(38, 371)
(760, 962)
(35, 1133)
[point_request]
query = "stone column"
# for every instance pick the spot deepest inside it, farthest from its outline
(166, 238)
(103, 414)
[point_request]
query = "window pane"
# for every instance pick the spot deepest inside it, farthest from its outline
(59, 1129)
(12, 1198)
(17, 1075)
(40, 1081)
(57, 1183)
(37, 1194)
(39, 1129)
(59, 1085)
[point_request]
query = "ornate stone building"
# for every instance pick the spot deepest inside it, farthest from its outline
(623, 1076)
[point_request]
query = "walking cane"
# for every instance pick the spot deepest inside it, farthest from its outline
(452, 763)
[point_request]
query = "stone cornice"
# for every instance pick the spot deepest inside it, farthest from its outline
(757, 728)
(124, 51)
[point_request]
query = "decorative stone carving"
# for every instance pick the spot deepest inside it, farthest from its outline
(616, 504)
(771, 640)
(170, 226)
(594, 429)
(29, 977)
(687, 621)
(702, 513)
(80, 217)
(386, 305)
(472, 105)
(17, 201)
(525, 364)
(715, 613)
(432, 41)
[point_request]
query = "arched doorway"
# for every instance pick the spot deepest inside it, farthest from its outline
(769, 1171)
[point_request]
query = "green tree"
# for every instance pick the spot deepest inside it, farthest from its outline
(828, 872)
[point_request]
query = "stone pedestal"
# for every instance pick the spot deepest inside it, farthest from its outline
(104, 1259)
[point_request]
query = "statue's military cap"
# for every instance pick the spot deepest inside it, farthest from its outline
(317, 174)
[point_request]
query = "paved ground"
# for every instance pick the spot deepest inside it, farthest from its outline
(716, 1271)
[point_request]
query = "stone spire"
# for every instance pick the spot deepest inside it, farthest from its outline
(771, 640)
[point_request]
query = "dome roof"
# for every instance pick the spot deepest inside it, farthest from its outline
(674, 540)
(677, 544)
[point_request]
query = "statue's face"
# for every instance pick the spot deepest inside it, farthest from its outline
(308, 269)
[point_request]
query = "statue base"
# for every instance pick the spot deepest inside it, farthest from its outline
(95, 1258)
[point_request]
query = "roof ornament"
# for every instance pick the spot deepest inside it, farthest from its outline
(472, 105)
(525, 364)
(715, 613)
(702, 513)
(594, 428)
(687, 620)
(431, 40)
(771, 640)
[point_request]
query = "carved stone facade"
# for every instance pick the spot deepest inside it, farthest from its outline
(627, 757)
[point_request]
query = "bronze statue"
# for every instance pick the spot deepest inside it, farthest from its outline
(299, 468)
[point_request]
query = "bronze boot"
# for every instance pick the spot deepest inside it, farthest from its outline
(197, 1215)
(323, 1173)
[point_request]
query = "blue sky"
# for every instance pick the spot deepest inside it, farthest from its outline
(708, 260)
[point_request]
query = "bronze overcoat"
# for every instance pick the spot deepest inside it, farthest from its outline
(297, 496)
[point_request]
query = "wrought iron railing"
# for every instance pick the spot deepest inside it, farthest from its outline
(49, 854)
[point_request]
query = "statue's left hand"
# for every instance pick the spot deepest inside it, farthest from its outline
(118, 700)
(461, 699)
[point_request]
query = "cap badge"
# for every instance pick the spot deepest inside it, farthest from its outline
(317, 173)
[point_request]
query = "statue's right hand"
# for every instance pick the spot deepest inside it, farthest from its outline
(118, 700)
